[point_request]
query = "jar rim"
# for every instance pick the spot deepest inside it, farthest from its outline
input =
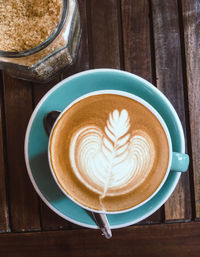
(46, 42)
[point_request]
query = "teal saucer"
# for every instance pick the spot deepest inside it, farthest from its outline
(36, 142)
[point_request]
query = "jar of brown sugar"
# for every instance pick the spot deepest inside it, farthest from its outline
(38, 38)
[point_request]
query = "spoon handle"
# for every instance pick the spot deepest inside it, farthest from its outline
(102, 221)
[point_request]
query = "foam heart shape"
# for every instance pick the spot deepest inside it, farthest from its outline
(113, 161)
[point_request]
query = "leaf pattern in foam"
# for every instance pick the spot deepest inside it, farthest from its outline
(116, 141)
(113, 159)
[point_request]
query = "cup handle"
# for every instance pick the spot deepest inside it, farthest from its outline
(180, 162)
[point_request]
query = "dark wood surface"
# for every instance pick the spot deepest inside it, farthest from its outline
(169, 79)
(4, 219)
(164, 240)
(157, 40)
(191, 23)
(23, 200)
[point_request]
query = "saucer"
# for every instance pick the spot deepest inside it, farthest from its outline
(36, 142)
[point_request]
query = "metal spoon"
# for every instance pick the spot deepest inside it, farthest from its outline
(100, 219)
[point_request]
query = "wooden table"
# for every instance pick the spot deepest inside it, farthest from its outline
(157, 40)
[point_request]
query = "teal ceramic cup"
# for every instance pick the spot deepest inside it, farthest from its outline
(177, 162)
(62, 95)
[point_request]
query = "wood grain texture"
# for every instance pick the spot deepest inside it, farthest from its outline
(49, 219)
(170, 82)
(136, 37)
(39, 90)
(104, 38)
(4, 218)
(180, 240)
(23, 199)
(137, 50)
(191, 22)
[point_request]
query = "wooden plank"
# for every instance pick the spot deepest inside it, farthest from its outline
(170, 82)
(137, 50)
(191, 15)
(136, 38)
(4, 218)
(22, 197)
(180, 240)
(39, 90)
(49, 219)
(104, 34)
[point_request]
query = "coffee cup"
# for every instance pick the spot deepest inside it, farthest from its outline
(110, 151)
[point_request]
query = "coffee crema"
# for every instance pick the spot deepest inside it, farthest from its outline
(109, 152)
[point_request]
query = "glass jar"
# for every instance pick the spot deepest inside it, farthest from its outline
(43, 62)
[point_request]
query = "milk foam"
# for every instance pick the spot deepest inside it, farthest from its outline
(113, 161)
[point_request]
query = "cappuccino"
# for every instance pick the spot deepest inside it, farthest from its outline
(108, 152)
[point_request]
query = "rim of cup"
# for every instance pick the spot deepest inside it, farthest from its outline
(151, 109)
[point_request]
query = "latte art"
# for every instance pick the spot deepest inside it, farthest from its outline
(112, 161)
